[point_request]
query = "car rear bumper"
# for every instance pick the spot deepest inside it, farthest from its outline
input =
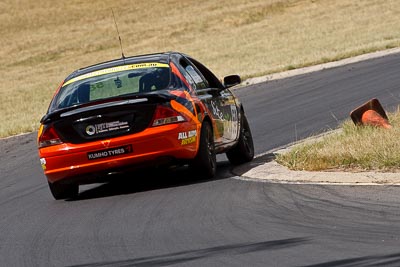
(153, 146)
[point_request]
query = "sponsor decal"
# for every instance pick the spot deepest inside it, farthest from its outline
(118, 82)
(216, 111)
(106, 127)
(117, 69)
(106, 143)
(233, 129)
(187, 137)
(43, 163)
(98, 85)
(111, 152)
(90, 129)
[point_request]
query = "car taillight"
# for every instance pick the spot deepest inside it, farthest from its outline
(166, 115)
(48, 136)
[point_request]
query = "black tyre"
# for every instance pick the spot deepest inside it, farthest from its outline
(205, 162)
(244, 150)
(63, 191)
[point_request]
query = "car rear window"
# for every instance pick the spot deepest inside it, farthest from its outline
(112, 82)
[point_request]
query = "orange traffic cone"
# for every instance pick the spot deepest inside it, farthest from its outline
(372, 118)
(371, 113)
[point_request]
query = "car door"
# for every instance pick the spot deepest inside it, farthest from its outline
(219, 101)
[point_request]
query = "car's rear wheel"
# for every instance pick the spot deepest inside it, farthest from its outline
(244, 150)
(205, 162)
(63, 191)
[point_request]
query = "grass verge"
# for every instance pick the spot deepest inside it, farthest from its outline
(43, 41)
(355, 148)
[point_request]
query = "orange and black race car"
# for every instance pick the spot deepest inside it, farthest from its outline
(147, 110)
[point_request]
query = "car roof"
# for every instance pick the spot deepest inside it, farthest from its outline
(157, 57)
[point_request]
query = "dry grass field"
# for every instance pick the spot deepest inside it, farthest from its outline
(42, 41)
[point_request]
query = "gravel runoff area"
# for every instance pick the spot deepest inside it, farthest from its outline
(265, 168)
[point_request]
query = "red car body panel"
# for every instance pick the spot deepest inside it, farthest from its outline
(70, 160)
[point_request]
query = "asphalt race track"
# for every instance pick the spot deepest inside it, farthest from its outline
(175, 218)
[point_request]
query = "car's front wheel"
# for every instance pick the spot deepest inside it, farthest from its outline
(63, 191)
(244, 150)
(205, 162)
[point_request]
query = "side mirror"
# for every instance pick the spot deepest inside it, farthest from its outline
(232, 80)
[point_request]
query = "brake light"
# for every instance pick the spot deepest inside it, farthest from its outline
(166, 115)
(48, 136)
